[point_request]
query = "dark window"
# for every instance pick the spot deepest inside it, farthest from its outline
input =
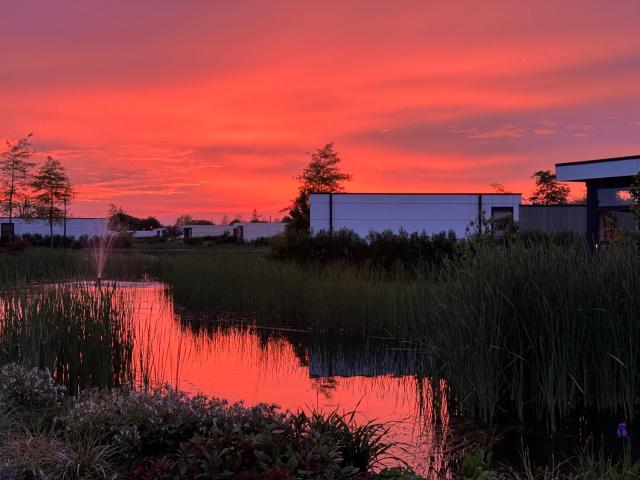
(501, 212)
(7, 230)
(187, 232)
(614, 197)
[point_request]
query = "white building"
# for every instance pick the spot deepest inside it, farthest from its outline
(189, 231)
(244, 231)
(156, 232)
(248, 231)
(411, 212)
(76, 227)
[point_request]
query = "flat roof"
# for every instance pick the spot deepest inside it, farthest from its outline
(615, 167)
(598, 160)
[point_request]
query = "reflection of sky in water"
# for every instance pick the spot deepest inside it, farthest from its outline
(240, 365)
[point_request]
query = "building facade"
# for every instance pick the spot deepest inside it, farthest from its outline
(412, 212)
(75, 227)
(609, 201)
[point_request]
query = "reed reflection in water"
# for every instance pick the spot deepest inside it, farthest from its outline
(103, 336)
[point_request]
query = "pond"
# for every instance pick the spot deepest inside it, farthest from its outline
(240, 361)
(146, 339)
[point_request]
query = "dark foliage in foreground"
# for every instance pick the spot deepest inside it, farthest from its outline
(165, 434)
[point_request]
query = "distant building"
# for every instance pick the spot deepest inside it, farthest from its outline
(243, 231)
(76, 227)
(156, 232)
(412, 212)
(608, 182)
(189, 231)
(248, 231)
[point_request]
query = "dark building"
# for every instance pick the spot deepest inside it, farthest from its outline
(609, 200)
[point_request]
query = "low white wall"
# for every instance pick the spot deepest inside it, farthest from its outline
(209, 230)
(253, 231)
(76, 227)
(431, 213)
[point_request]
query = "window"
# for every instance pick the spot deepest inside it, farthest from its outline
(501, 212)
(614, 197)
(187, 232)
(6, 230)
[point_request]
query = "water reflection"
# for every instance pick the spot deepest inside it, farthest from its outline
(381, 381)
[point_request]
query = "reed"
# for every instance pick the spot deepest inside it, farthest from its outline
(81, 333)
(45, 265)
(538, 331)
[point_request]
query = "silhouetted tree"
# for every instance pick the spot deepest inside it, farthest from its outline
(255, 217)
(322, 175)
(225, 219)
(549, 191)
(52, 188)
(183, 220)
(14, 173)
(498, 187)
(121, 221)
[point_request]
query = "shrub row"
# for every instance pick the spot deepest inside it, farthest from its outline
(387, 249)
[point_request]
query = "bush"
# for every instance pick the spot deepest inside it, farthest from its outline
(16, 246)
(31, 395)
(383, 250)
(168, 434)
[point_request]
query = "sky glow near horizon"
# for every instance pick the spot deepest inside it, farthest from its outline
(211, 108)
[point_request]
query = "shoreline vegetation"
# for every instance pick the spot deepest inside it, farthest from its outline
(524, 330)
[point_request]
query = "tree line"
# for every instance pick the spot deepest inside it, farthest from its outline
(29, 190)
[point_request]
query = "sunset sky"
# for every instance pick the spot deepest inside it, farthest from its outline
(212, 107)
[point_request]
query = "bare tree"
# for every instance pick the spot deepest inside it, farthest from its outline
(52, 188)
(14, 173)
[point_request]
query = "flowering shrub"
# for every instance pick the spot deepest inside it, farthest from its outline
(30, 392)
(166, 434)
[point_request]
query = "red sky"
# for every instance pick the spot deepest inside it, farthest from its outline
(211, 107)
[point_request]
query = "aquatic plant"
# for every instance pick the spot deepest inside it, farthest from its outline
(83, 335)
(539, 330)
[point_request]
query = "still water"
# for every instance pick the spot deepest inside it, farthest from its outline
(147, 339)
(293, 369)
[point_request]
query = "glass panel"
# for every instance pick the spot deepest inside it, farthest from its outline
(612, 197)
(501, 212)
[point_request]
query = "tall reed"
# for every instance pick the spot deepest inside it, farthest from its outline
(81, 333)
(540, 331)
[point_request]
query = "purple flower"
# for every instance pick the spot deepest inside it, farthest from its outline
(622, 431)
